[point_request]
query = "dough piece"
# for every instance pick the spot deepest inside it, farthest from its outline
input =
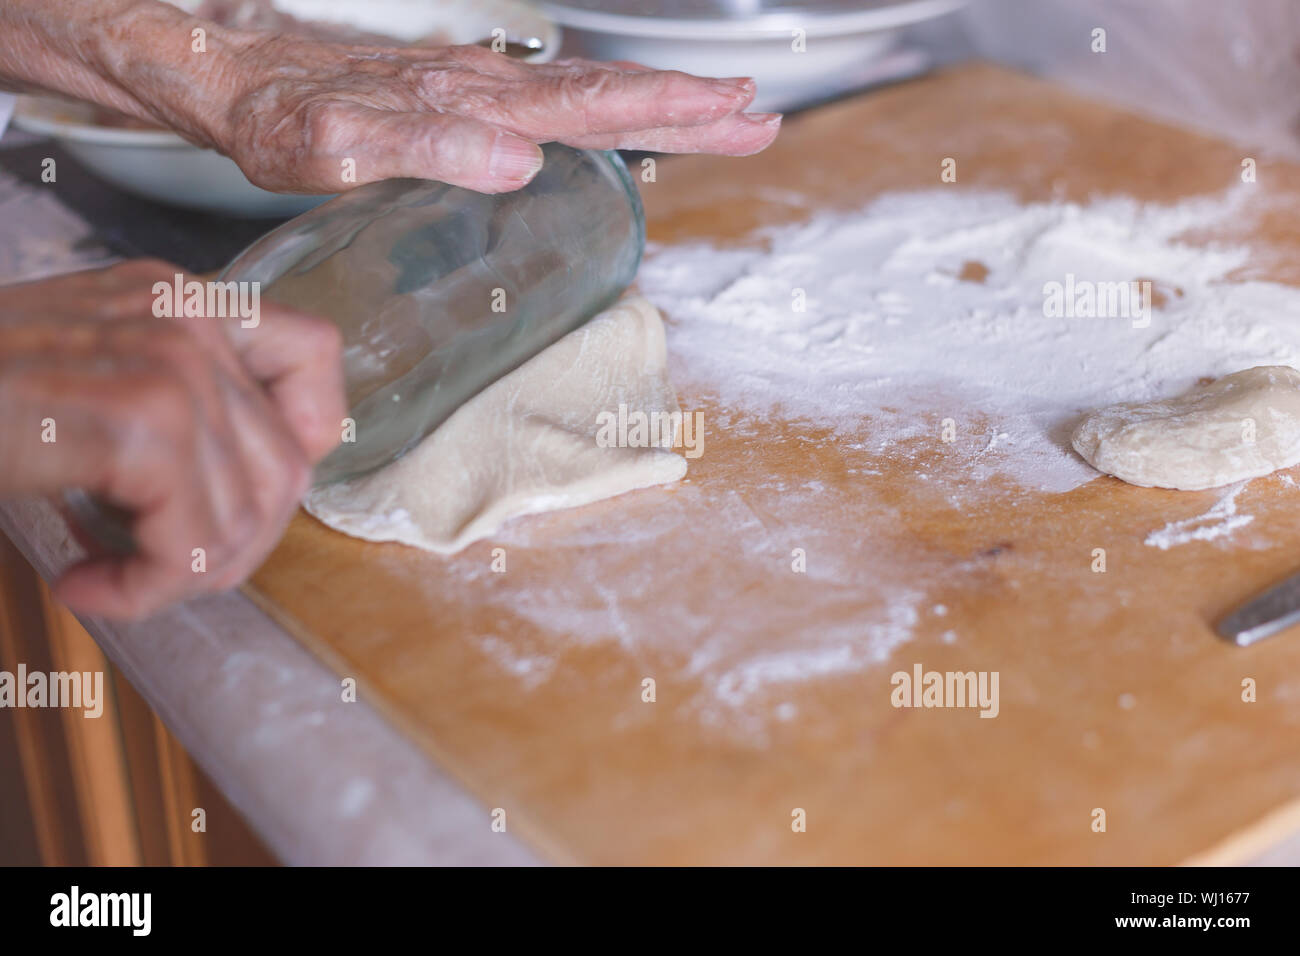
(1244, 425)
(525, 444)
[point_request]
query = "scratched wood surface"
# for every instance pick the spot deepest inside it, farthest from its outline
(1114, 692)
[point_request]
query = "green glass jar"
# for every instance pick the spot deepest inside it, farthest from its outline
(439, 291)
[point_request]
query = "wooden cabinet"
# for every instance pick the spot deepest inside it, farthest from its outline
(113, 790)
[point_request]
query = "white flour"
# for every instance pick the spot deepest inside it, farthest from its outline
(1222, 519)
(887, 311)
(892, 341)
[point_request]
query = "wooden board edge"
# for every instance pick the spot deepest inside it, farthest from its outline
(522, 825)
(1253, 840)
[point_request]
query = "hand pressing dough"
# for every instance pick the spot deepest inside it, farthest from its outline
(1244, 425)
(525, 444)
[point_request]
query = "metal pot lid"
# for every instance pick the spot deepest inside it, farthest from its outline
(741, 19)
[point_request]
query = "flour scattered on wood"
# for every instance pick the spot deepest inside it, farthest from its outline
(885, 307)
(919, 308)
(1222, 519)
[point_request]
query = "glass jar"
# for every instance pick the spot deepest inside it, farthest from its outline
(439, 291)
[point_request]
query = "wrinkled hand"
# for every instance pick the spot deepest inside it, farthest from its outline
(206, 433)
(290, 110)
(297, 109)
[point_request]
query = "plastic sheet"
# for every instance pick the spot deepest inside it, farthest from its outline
(1229, 68)
(39, 237)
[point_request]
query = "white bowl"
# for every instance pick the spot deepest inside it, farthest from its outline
(845, 41)
(159, 165)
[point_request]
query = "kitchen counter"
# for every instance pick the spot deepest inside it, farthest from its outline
(320, 780)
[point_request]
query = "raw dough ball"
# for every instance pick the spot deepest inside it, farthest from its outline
(1244, 425)
(525, 444)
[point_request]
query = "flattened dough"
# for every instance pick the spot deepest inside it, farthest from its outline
(525, 444)
(1244, 425)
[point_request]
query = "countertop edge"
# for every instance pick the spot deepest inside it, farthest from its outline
(323, 782)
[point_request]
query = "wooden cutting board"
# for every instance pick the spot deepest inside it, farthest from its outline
(1115, 694)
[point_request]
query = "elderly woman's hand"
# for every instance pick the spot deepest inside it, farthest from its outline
(462, 114)
(204, 430)
(301, 115)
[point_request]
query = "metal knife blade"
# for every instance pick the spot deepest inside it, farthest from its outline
(1274, 610)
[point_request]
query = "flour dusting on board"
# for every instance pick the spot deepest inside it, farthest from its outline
(944, 290)
(1222, 519)
(921, 307)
